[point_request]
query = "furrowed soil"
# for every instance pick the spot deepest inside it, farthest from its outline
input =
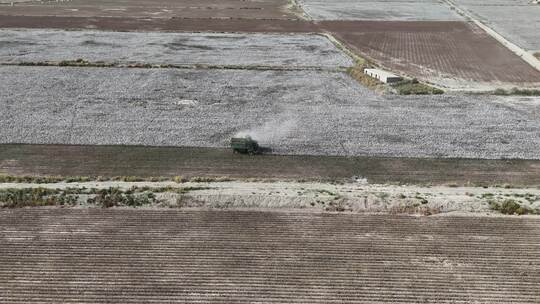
(143, 256)
(23, 160)
(447, 53)
(260, 9)
(456, 55)
(159, 24)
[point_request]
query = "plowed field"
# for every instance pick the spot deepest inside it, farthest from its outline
(448, 53)
(268, 9)
(130, 256)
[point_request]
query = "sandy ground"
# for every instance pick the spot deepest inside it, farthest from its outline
(518, 20)
(357, 197)
(287, 50)
(417, 10)
(290, 112)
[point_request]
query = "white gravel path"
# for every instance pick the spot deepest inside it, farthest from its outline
(355, 196)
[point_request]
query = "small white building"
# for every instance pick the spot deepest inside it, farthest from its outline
(382, 76)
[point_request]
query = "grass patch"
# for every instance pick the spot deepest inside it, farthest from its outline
(114, 197)
(517, 92)
(414, 87)
(35, 197)
(326, 192)
(105, 198)
(83, 179)
(357, 72)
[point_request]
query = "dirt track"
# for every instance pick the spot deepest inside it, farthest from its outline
(189, 162)
(130, 256)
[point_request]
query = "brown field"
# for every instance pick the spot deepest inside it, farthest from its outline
(140, 161)
(429, 50)
(446, 53)
(159, 24)
(148, 256)
(259, 9)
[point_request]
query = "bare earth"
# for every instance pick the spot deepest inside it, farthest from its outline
(110, 161)
(260, 9)
(135, 256)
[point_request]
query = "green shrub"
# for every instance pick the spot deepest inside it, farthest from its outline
(32, 197)
(413, 87)
(511, 207)
(517, 92)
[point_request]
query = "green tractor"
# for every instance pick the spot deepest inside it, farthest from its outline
(245, 145)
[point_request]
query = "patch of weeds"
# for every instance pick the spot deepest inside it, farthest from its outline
(31, 179)
(415, 209)
(487, 195)
(336, 206)
(422, 199)
(414, 87)
(35, 197)
(511, 207)
(209, 179)
(517, 92)
(130, 179)
(178, 179)
(357, 73)
(327, 192)
(114, 197)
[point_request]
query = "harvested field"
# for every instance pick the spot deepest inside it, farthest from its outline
(412, 10)
(285, 51)
(518, 20)
(110, 161)
(259, 9)
(290, 112)
(99, 256)
(159, 24)
(452, 54)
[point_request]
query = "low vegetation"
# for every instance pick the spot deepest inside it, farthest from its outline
(512, 207)
(414, 87)
(517, 92)
(357, 72)
(84, 179)
(18, 198)
(105, 198)
(404, 87)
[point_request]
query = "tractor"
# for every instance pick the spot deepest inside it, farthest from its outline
(244, 145)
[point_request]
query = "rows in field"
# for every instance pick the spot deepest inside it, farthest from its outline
(436, 51)
(97, 255)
